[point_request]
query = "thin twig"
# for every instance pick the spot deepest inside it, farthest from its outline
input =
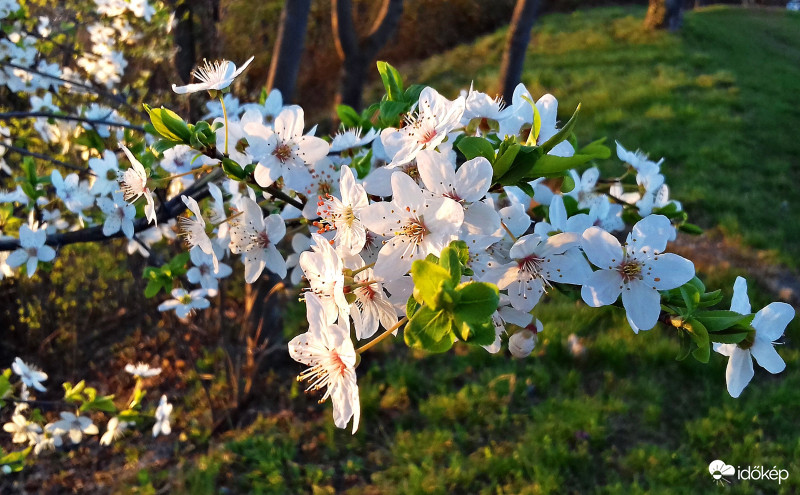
(77, 118)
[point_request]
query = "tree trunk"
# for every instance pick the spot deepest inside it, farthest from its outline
(288, 48)
(664, 14)
(519, 36)
(357, 55)
(183, 38)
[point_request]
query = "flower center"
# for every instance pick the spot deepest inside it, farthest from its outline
(630, 270)
(530, 264)
(32, 252)
(415, 230)
(348, 217)
(185, 299)
(283, 152)
(261, 239)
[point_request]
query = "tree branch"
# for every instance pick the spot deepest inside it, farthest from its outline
(76, 118)
(110, 96)
(23, 151)
(170, 210)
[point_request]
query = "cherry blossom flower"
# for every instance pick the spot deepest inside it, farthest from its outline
(119, 215)
(283, 151)
(184, 303)
(348, 139)
(519, 115)
(194, 230)
(256, 237)
(435, 117)
(22, 429)
(372, 307)
(32, 249)
(142, 370)
(637, 270)
(416, 224)
(30, 375)
(536, 262)
(204, 272)
(559, 222)
(344, 214)
(101, 167)
(328, 351)
(467, 187)
(213, 76)
(133, 182)
(521, 344)
(769, 324)
(74, 193)
(75, 426)
(163, 411)
(323, 267)
(114, 429)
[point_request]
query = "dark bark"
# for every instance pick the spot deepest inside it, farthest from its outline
(288, 48)
(664, 14)
(183, 38)
(357, 54)
(519, 36)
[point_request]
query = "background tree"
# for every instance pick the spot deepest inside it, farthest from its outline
(519, 35)
(664, 14)
(288, 50)
(357, 54)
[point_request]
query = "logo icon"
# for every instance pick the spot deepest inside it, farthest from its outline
(719, 470)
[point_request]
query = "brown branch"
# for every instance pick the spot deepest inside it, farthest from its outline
(171, 209)
(345, 37)
(23, 151)
(76, 118)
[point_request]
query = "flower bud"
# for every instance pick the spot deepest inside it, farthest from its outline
(521, 344)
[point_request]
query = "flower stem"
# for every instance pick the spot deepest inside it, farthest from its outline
(382, 336)
(359, 270)
(225, 116)
(513, 237)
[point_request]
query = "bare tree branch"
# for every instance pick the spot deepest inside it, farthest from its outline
(76, 118)
(23, 151)
(170, 210)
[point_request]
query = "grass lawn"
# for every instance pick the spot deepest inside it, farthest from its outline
(720, 102)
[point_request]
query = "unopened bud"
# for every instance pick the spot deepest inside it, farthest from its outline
(521, 344)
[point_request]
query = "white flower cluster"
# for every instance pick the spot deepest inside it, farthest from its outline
(74, 426)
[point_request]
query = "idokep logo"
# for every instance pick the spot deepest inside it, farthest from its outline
(719, 471)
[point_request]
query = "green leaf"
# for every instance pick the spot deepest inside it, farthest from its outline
(524, 161)
(175, 124)
(504, 160)
(73, 394)
(412, 93)
(429, 330)
(718, 320)
(728, 336)
(348, 116)
(473, 147)
(550, 165)
(562, 134)
(477, 302)
(449, 260)
(711, 299)
(158, 124)
(363, 164)
(391, 111)
(690, 228)
(700, 338)
(478, 333)
(163, 145)
(596, 149)
(411, 306)
(392, 81)
(102, 403)
(428, 280)
(691, 298)
(232, 169)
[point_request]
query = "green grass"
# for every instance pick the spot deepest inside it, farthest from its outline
(719, 101)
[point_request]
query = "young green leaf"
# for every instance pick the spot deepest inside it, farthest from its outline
(473, 147)
(477, 301)
(428, 280)
(429, 330)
